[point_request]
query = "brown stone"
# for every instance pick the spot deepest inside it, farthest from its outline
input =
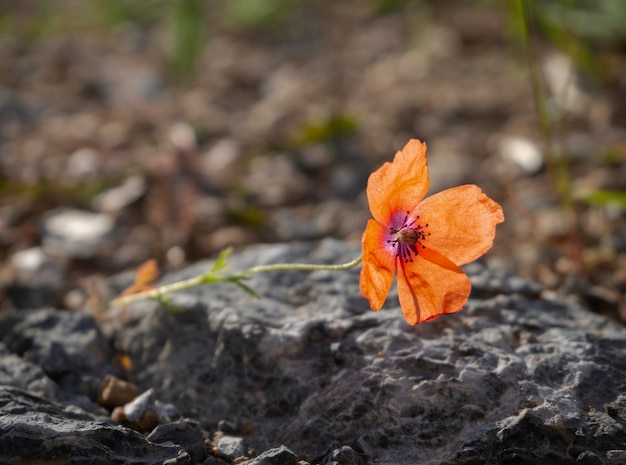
(114, 392)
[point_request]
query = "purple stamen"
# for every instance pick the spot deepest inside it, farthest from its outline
(407, 238)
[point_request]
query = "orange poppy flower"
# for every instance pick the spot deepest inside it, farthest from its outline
(422, 241)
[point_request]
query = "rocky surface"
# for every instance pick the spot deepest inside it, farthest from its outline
(308, 372)
(34, 430)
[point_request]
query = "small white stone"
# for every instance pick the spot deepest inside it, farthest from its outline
(521, 152)
(116, 198)
(76, 233)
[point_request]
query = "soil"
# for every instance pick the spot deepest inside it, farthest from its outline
(273, 132)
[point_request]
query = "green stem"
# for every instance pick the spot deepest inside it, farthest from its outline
(556, 156)
(556, 161)
(299, 266)
(236, 278)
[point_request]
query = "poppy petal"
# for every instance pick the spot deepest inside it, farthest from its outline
(462, 222)
(378, 265)
(399, 186)
(431, 286)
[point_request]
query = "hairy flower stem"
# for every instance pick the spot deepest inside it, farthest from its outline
(299, 266)
(236, 278)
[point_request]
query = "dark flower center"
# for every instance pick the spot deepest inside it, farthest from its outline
(408, 237)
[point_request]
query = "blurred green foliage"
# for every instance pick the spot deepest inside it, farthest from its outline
(605, 198)
(187, 37)
(140, 12)
(33, 21)
(334, 128)
(586, 19)
(53, 192)
(579, 28)
(257, 14)
(388, 6)
(248, 215)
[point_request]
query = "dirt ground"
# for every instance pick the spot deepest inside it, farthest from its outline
(272, 130)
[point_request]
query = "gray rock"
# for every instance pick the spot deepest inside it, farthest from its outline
(17, 372)
(67, 348)
(230, 447)
(210, 460)
(184, 433)
(278, 456)
(33, 430)
(513, 377)
(56, 341)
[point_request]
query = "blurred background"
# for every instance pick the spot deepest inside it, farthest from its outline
(171, 129)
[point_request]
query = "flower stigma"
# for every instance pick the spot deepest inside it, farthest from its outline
(407, 238)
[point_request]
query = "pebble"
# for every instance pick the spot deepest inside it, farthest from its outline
(139, 414)
(230, 446)
(35, 278)
(83, 163)
(75, 233)
(346, 455)
(114, 200)
(114, 392)
(522, 152)
(219, 163)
